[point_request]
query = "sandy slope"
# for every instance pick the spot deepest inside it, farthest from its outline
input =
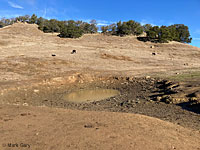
(46, 128)
(26, 58)
(96, 52)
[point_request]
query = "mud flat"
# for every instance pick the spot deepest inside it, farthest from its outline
(136, 95)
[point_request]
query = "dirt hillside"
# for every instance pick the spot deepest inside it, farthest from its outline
(47, 128)
(36, 69)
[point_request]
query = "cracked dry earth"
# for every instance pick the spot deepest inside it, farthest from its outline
(157, 108)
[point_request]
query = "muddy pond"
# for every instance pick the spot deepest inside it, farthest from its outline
(90, 95)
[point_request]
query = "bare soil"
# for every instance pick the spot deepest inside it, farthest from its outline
(37, 70)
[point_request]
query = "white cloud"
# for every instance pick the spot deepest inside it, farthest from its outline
(45, 12)
(104, 22)
(99, 22)
(197, 31)
(15, 5)
(10, 15)
(144, 21)
(198, 39)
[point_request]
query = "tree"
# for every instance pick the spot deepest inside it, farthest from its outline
(135, 27)
(164, 35)
(129, 28)
(104, 29)
(112, 29)
(25, 18)
(146, 27)
(183, 32)
(71, 31)
(153, 32)
(93, 26)
(33, 19)
(122, 29)
(54, 25)
(86, 28)
(6, 22)
(1, 24)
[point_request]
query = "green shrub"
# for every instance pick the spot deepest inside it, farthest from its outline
(71, 31)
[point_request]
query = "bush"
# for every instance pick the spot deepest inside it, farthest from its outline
(70, 31)
(123, 28)
(33, 19)
(163, 34)
(75, 29)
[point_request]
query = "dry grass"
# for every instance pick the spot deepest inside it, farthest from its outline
(109, 56)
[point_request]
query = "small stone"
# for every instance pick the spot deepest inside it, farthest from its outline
(25, 114)
(147, 77)
(36, 91)
(158, 98)
(193, 99)
(88, 126)
(131, 79)
(73, 51)
(25, 104)
(53, 55)
(173, 147)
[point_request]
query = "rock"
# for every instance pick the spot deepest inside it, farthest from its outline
(25, 114)
(158, 98)
(36, 91)
(25, 104)
(73, 51)
(152, 46)
(148, 77)
(88, 126)
(167, 99)
(193, 99)
(58, 79)
(153, 53)
(116, 78)
(53, 55)
(131, 79)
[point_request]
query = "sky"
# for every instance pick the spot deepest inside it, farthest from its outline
(155, 12)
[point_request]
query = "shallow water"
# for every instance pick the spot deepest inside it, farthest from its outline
(90, 95)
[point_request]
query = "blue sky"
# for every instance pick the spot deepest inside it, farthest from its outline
(156, 12)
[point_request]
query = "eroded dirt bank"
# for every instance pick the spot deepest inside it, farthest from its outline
(148, 96)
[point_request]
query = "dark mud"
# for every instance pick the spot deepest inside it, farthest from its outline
(138, 95)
